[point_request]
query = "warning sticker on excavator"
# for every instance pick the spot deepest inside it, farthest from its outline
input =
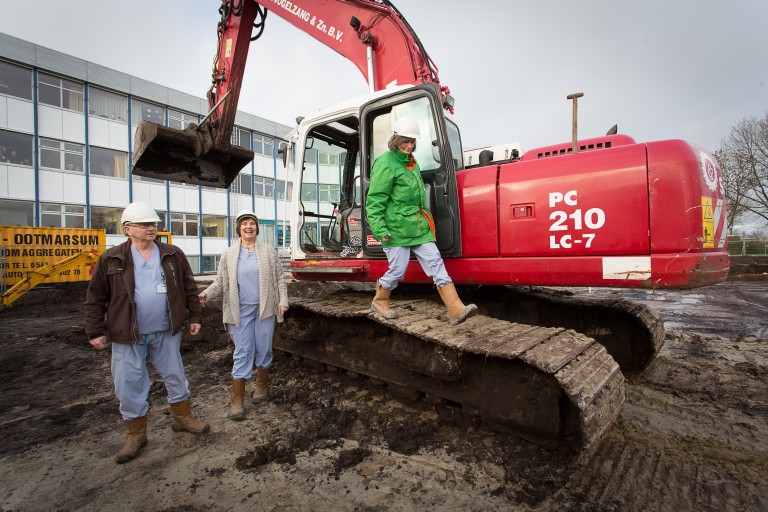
(713, 233)
(26, 248)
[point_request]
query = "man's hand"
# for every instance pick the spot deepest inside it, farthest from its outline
(99, 343)
(194, 329)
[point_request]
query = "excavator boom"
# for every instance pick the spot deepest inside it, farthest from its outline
(372, 34)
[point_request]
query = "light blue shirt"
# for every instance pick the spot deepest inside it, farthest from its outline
(248, 277)
(150, 292)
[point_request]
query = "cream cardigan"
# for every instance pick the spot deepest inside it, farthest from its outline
(273, 291)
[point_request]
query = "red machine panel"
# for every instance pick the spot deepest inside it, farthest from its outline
(591, 203)
(479, 211)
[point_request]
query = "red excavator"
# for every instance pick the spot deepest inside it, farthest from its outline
(600, 212)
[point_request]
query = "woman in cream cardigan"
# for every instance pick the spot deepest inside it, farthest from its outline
(254, 296)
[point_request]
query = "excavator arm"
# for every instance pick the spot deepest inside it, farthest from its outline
(370, 33)
(44, 273)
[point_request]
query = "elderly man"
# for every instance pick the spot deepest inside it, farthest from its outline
(141, 294)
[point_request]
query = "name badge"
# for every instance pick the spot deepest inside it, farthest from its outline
(161, 288)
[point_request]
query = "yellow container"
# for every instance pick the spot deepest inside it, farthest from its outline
(24, 249)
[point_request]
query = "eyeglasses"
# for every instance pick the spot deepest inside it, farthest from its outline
(142, 225)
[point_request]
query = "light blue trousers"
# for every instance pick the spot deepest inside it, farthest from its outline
(253, 342)
(129, 371)
(429, 259)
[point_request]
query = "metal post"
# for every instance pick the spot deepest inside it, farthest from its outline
(574, 137)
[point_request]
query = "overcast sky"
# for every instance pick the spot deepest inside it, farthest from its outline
(660, 69)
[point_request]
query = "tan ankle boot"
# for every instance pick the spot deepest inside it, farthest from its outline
(135, 440)
(380, 303)
(183, 419)
(236, 411)
(457, 311)
(262, 383)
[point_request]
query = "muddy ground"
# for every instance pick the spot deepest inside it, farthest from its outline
(692, 434)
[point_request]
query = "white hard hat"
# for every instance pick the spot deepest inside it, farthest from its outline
(138, 213)
(245, 214)
(406, 127)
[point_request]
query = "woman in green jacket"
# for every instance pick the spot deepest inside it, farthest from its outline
(398, 217)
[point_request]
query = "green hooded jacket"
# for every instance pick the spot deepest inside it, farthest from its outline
(395, 206)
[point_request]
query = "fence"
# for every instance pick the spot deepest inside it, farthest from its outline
(747, 247)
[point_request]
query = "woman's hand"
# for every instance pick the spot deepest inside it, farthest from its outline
(202, 296)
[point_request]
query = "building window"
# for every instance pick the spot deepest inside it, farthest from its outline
(214, 226)
(57, 154)
(145, 179)
(184, 224)
(309, 191)
(194, 262)
(241, 137)
(107, 105)
(108, 162)
(17, 213)
(264, 187)
(59, 92)
(283, 235)
(242, 184)
(326, 158)
(281, 189)
(106, 218)
(263, 145)
(267, 234)
(180, 120)
(143, 111)
(161, 226)
(15, 81)
(329, 193)
(210, 263)
(15, 148)
(62, 215)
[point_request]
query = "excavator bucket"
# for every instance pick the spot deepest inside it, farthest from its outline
(188, 156)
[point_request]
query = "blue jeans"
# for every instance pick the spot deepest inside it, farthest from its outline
(253, 341)
(131, 377)
(429, 259)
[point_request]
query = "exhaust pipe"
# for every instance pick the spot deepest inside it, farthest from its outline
(574, 136)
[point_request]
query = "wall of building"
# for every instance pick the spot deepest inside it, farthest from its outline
(66, 143)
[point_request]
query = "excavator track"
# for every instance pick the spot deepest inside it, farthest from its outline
(629, 330)
(551, 385)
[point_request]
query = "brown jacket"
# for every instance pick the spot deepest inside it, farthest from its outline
(109, 303)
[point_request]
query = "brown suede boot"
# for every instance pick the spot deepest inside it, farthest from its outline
(262, 383)
(380, 303)
(236, 411)
(183, 419)
(135, 440)
(457, 311)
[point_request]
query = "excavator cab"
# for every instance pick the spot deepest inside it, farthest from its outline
(189, 156)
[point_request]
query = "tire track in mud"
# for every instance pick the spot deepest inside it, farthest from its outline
(681, 463)
(691, 435)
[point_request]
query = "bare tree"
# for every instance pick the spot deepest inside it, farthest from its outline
(743, 157)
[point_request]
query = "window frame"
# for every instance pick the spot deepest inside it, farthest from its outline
(185, 219)
(94, 153)
(11, 85)
(79, 91)
(62, 151)
(64, 212)
(139, 105)
(118, 112)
